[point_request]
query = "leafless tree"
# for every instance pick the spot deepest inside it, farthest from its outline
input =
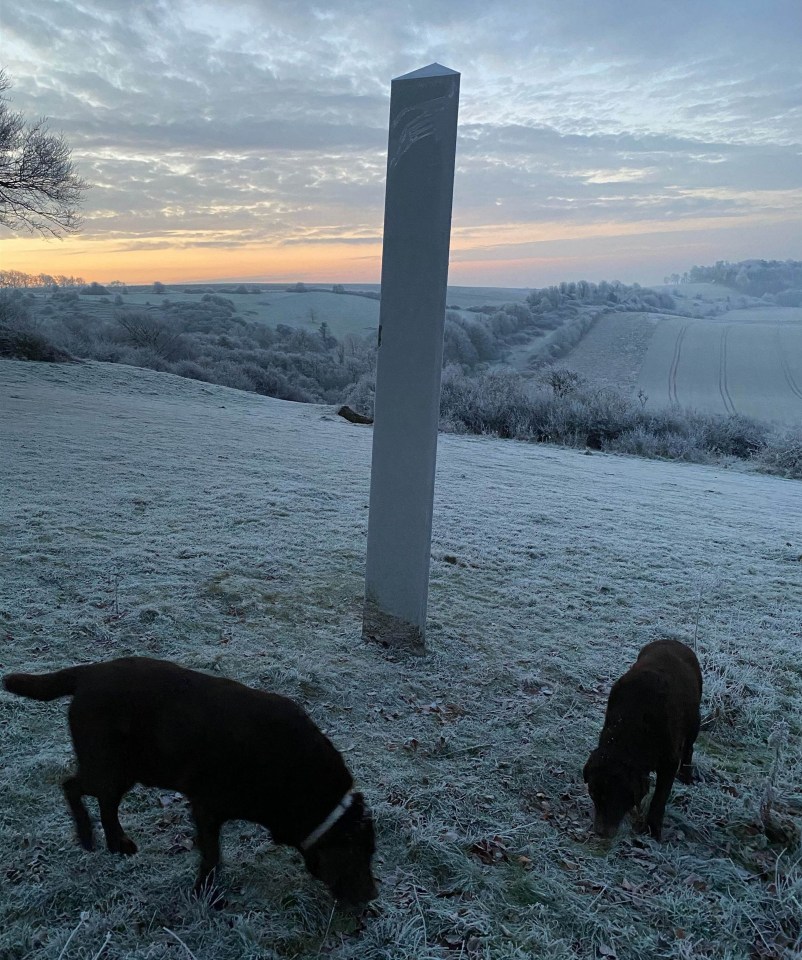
(39, 189)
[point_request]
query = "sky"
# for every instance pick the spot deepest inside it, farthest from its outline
(247, 139)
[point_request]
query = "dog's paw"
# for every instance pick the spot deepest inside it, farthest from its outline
(127, 847)
(122, 844)
(655, 830)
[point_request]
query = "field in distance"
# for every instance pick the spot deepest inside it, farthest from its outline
(745, 359)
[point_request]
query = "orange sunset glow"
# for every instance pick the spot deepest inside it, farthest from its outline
(507, 254)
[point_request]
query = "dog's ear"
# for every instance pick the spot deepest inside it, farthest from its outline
(359, 806)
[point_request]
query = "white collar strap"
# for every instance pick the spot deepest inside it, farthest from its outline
(329, 822)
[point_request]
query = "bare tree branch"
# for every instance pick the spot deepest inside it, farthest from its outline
(40, 191)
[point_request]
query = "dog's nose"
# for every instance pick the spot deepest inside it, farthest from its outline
(360, 895)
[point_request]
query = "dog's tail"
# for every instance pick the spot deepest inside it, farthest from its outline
(43, 686)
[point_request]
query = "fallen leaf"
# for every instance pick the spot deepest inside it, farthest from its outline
(491, 850)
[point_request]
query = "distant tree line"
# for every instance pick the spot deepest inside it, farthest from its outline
(32, 281)
(755, 278)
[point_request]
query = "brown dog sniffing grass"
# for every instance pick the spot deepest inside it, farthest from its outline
(651, 724)
(235, 752)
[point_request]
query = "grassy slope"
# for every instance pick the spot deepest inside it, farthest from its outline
(144, 513)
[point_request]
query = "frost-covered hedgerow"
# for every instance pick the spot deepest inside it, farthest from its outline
(569, 411)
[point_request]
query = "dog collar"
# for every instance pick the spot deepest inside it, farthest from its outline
(329, 822)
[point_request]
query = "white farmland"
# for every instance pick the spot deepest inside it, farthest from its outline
(747, 362)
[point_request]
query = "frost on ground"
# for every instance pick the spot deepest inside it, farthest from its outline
(142, 513)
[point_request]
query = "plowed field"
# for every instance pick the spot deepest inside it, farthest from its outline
(729, 364)
(744, 361)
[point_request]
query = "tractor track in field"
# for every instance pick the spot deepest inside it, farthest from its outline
(729, 406)
(672, 370)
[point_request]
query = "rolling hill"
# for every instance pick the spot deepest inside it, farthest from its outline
(719, 351)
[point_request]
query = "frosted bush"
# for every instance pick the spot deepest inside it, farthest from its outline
(735, 436)
(783, 454)
(642, 442)
(191, 370)
(362, 395)
(231, 374)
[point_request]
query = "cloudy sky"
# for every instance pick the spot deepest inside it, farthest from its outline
(246, 139)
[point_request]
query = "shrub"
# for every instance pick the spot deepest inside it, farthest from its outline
(495, 403)
(669, 445)
(568, 411)
(143, 329)
(143, 357)
(734, 436)
(228, 373)
(20, 338)
(789, 298)
(15, 310)
(214, 299)
(191, 370)
(564, 338)
(94, 289)
(782, 454)
(28, 345)
(362, 395)
(562, 381)
(590, 416)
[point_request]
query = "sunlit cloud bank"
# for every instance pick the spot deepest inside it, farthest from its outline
(247, 140)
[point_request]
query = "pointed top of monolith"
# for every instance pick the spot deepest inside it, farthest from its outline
(433, 70)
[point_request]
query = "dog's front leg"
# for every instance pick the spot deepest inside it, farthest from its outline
(657, 808)
(208, 840)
